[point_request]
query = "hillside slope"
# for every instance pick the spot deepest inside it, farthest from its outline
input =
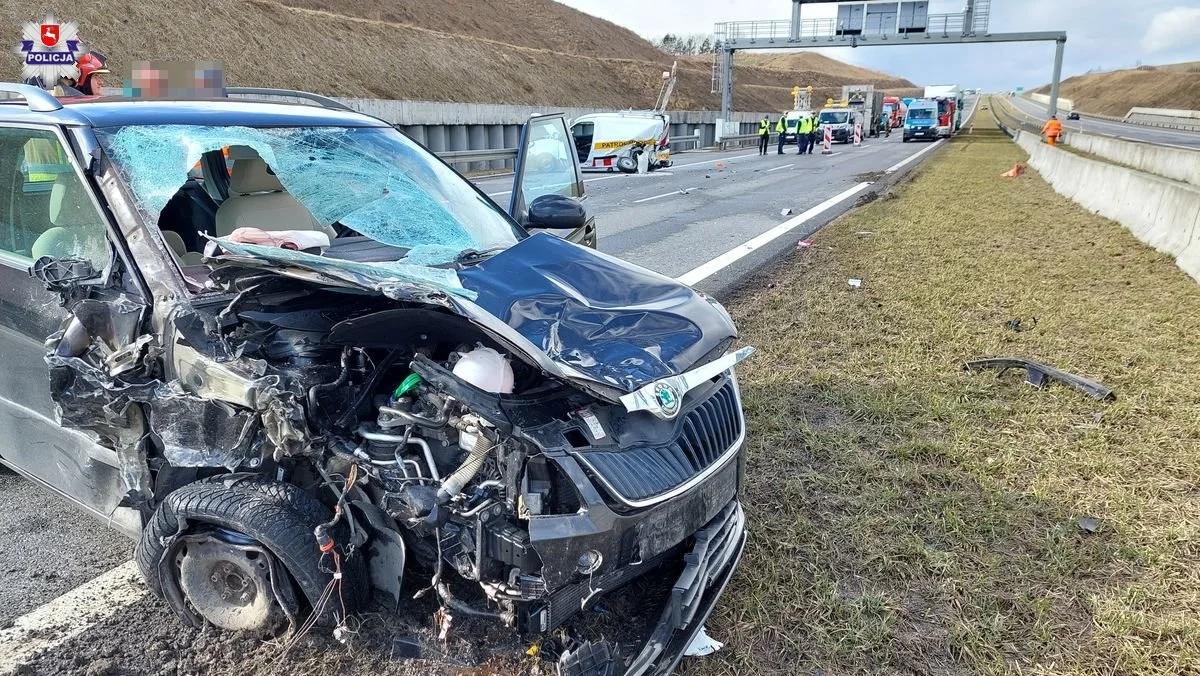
(534, 52)
(1173, 86)
(812, 62)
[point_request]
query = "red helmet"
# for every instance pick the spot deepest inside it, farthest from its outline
(89, 64)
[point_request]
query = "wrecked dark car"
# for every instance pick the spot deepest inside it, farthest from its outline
(299, 358)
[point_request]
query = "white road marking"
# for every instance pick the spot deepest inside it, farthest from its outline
(742, 250)
(665, 194)
(715, 159)
(69, 615)
(778, 168)
(897, 166)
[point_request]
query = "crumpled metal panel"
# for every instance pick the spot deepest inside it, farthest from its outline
(616, 322)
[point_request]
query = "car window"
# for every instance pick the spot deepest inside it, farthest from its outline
(550, 165)
(45, 208)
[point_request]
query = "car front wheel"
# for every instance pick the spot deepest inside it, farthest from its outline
(242, 557)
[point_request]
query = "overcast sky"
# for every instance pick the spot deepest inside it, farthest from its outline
(1101, 34)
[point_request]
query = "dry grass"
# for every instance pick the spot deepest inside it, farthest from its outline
(908, 517)
(1173, 86)
(534, 52)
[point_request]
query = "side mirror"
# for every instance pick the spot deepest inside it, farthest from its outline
(555, 212)
(59, 274)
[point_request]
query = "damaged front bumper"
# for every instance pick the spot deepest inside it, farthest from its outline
(708, 568)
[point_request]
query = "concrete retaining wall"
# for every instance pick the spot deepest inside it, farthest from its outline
(1165, 117)
(1169, 162)
(1063, 104)
(436, 124)
(1162, 213)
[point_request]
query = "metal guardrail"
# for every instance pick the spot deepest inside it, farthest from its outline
(510, 154)
(459, 156)
(743, 139)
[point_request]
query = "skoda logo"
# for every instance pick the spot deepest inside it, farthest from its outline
(668, 399)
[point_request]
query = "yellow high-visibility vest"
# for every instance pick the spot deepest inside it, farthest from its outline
(45, 159)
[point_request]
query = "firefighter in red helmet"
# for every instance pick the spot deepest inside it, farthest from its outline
(90, 66)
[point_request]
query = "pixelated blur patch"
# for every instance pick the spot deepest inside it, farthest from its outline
(176, 80)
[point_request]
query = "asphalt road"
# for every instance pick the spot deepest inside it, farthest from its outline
(1129, 132)
(712, 218)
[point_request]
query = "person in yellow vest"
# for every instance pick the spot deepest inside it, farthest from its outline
(764, 135)
(781, 129)
(803, 131)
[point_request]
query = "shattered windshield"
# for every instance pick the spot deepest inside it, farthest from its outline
(372, 181)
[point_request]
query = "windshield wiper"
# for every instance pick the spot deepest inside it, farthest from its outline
(472, 255)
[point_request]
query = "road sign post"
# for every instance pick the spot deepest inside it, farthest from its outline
(827, 146)
(857, 134)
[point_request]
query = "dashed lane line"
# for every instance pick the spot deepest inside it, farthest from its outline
(682, 191)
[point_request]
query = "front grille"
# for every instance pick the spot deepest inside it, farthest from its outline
(641, 473)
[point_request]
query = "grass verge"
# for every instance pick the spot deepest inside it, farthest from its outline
(908, 517)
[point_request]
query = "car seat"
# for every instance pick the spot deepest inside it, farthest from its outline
(258, 200)
(77, 230)
(178, 249)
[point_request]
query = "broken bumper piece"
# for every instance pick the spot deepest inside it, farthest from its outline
(708, 567)
(1039, 374)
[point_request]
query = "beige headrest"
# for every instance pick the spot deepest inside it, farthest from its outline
(69, 203)
(253, 175)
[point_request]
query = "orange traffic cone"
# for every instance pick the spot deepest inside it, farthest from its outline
(1016, 171)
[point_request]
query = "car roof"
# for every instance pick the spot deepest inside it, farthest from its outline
(120, 111)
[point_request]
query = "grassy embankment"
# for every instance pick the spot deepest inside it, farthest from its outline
(908, 517)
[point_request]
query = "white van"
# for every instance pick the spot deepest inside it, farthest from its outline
(615, 140)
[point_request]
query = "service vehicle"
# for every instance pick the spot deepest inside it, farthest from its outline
(840, 121)
(949, 100)
(335, 364)
(921, 120)
(616, 141)
(791, 121)
(894, 110)
(868, 101)
(620, 141)
(1072, 115)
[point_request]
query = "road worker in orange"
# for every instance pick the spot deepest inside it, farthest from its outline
(1052, 130)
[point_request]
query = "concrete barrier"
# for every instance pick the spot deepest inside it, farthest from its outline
(1165, 117)
(1063, 104)
(1170, 162)
(1162, 213)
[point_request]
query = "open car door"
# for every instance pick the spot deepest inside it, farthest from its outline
(548, 191)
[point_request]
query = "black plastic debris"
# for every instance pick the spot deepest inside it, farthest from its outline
(1039, 375)
(589, 659)
(1018, 324)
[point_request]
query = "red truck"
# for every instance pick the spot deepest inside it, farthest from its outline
(894, 109)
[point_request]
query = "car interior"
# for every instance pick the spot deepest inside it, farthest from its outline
(229, 189)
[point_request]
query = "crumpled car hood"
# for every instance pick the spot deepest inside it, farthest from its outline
(578, 314)
(617, 323)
